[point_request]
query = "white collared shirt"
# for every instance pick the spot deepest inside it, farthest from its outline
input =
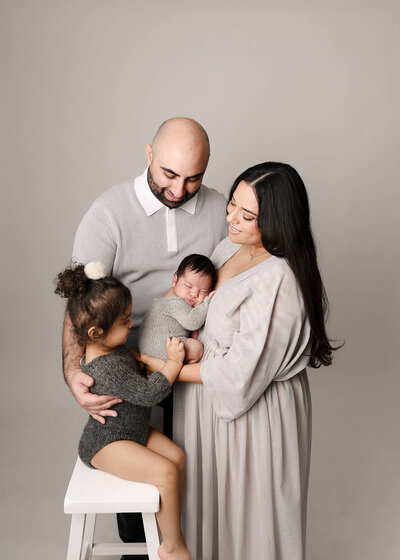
(151, 205)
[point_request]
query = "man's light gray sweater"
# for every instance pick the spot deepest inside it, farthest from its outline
(132, 242)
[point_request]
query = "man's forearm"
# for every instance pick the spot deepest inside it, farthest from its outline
(72, 351)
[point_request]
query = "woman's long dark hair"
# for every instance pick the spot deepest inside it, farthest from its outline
(284, 222)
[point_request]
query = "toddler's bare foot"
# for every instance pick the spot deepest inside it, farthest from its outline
(178, 553)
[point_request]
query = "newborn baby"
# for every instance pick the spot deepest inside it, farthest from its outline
(181, 310)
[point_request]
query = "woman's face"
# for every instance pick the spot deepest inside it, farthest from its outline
(242, 216)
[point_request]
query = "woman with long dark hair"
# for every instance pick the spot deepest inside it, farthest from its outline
(243, 415)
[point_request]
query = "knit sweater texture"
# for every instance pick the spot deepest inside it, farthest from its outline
(118, 374)
(170, 316)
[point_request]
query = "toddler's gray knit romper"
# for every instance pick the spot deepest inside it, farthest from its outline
(118, 374)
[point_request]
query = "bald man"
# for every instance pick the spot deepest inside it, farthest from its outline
(184, 144)
(141, 230)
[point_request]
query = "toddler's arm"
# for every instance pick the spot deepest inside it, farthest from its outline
(176, 355)
(139, 389)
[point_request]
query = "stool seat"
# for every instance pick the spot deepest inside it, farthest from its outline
(94, 491)
(91, 492)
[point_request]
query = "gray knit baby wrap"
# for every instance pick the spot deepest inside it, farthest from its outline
(169, 316)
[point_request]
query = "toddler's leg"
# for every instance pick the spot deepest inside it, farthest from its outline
(193, 351)
(132, 461)
(164, 446)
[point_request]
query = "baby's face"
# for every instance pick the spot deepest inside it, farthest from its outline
(192, 287)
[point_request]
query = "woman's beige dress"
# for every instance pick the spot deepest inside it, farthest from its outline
(247, 430)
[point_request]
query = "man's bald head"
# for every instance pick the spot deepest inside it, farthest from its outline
(177, 160)
(182, 129)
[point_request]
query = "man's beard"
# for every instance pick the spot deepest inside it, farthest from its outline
(159, 193)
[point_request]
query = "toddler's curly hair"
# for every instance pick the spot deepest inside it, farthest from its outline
(92, 302)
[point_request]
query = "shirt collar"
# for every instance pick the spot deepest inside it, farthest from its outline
(150, 203)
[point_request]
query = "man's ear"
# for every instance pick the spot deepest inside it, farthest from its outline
(149, 154)
(94, 332)
(174, 280)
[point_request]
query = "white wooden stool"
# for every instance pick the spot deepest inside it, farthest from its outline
(90, 492)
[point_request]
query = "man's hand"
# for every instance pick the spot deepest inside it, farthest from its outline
(96, 405)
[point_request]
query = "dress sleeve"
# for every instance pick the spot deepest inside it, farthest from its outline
(97, 237)
(270, 344)
(191, 318)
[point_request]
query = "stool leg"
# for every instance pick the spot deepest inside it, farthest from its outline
(76, 536)
(151, 532)
(87, 547)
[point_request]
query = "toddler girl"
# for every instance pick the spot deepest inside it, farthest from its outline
(100, 307)
(181, 310)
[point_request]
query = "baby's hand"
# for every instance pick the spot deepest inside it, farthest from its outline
(175, 349)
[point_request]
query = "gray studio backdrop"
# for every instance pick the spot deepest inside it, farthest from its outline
(84, 86)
